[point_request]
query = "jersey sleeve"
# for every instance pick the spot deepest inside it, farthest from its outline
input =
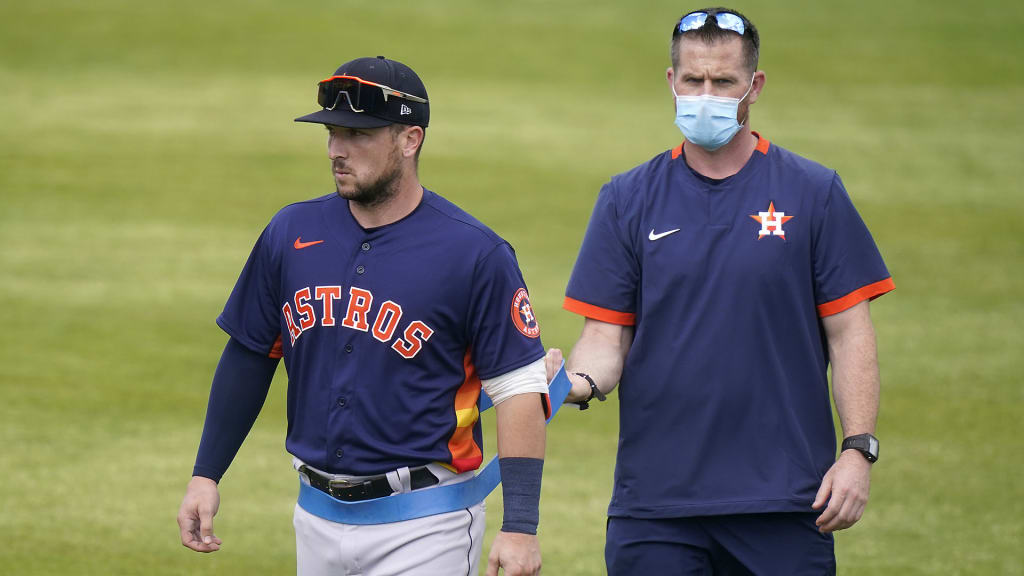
(251, 314)
(604, 280)
(503, 331)
(848, 268)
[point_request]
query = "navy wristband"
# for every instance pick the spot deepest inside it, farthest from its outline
(520, 486)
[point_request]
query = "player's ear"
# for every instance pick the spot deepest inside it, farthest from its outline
(409, 140)
(755, 90)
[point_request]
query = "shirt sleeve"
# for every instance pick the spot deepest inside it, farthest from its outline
(604, 280)
(251, 315)
(848, 268)
(503, 329)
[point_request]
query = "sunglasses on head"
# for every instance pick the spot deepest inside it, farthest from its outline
(361, 95)
(696, 21)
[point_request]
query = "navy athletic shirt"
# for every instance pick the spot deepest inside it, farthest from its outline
(385, 332)
(724, 402)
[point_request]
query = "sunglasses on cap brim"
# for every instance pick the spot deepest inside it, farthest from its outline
(696, 21)
(361, 95)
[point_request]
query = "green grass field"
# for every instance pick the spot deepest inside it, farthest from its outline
(144, 145)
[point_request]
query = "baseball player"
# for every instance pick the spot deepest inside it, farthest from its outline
(718, 281)
(392, 308)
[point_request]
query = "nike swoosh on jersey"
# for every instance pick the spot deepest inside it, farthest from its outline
(299, 244)
(652, 236)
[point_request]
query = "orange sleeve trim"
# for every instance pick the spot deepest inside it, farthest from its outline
(276, 351)
(762, 143)
(598, 313)
(869, 292)
(677, 151)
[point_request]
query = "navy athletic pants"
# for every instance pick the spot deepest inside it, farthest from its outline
(760, 544)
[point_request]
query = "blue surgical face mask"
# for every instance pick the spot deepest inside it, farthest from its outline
(708, 121)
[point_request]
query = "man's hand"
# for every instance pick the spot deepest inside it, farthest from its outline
(580, 387)
(848, 482)
(195, 517)
(552, 362)
(517, 554)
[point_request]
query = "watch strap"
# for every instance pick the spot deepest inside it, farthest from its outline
(866, 444)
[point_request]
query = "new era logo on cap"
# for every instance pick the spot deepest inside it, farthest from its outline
(405, 110)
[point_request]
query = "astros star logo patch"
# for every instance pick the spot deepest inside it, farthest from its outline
(771, 222)
(522, 314)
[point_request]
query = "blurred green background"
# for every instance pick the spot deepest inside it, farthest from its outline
(144, 145)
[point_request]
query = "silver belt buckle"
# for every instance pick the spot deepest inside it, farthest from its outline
(339, 484)
(342, 483)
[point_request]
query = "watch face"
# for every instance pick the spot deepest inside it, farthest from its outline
(873, 446)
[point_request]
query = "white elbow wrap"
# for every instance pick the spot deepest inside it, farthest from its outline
(529, 378)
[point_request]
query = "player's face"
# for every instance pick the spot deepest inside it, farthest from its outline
(717, 69)
(366, 163)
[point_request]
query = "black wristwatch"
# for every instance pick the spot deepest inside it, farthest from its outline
(866, 444)
(594, 392)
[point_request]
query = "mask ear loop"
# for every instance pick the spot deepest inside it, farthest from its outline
(749, 88)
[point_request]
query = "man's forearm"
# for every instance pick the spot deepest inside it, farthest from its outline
(521, 431)
(600, 353)
(521, 442)
(855, 378)
(239, 388)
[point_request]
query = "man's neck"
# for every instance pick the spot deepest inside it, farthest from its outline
(392, 210)
(725, 161)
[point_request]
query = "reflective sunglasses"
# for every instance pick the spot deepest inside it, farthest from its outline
(361, 95)
(696, 20)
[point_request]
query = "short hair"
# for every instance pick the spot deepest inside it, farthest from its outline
(710, 33)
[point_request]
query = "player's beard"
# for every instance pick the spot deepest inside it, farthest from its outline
(380, 190)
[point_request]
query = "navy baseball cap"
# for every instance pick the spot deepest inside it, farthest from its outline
(370, 93)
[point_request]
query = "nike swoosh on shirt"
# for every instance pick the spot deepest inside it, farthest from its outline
(652, 237)
(299, 244)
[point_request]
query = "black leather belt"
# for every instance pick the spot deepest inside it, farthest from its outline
(366, 488)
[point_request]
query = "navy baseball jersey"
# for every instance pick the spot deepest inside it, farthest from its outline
(724, 401)
(385, 332)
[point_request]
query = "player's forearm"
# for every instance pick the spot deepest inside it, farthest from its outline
(239, 389)
(601, 353)
(521, 440)
(521, 431)
(855, 378)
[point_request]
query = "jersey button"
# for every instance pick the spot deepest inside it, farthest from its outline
(348, 348)
(339, 452)
(365, 246)
(360, 269)
(342, 402)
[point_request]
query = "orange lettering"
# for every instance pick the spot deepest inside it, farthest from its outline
(328, 294)
(307, 317)
(387, 321)
(359, 302)
(293, 330)
(415, 335)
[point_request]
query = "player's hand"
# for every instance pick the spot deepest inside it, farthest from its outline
(195, 517)
(848, 482)
(580, 388)
(516, 554)
(552, 362)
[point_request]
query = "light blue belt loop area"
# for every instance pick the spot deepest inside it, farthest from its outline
(427, 501)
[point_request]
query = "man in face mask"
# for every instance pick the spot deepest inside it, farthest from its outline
(718, 281)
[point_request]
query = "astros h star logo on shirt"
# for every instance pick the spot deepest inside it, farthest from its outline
(771, 222)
